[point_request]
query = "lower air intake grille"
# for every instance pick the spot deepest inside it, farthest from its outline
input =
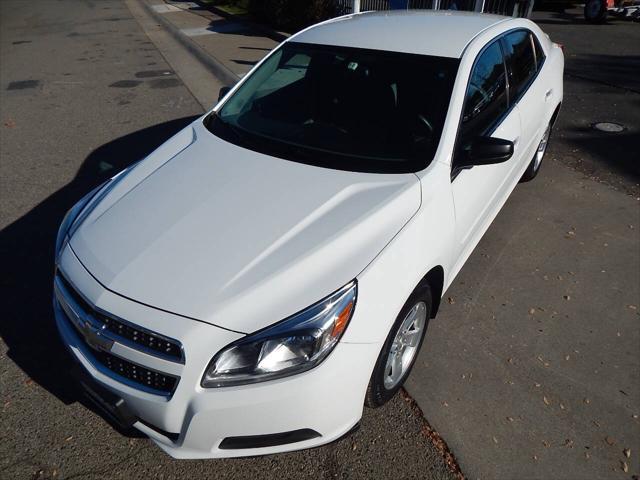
(136, 373)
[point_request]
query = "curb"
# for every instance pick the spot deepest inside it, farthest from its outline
(268, 32)
(215, 66)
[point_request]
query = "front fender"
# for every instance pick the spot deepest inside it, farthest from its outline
(426, 241)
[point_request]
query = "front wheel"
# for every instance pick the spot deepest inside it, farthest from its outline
(534, 167)
(400, 349)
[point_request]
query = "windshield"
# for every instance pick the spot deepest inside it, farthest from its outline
(342, 108)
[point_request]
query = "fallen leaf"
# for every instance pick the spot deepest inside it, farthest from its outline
(609, 440)
(546, 401)
(538, 385)
(28, 381)
(627, 452)
(445, 404)
(451, 300)
(10, 123)
(566, 297)
(596, 423)
(587, 401)
(586, 455)
(535, 457)
(546, 444)
(632, 307)
(532, 311)
(495, 440)
(510, 419)
(509, 360)
(568, 443)
(567, 357)
(68, 438)
(624, 466)
(561, 406)
(354, 447)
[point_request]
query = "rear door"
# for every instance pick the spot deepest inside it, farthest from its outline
(478, 192)
(527, 87)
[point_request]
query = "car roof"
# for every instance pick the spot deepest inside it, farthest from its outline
(443, 33)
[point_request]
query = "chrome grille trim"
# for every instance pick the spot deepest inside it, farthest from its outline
(96, 344)
(96, 323)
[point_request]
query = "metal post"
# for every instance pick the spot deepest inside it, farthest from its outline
(356, 6)
(436, 4)
(529, 8)
(478, 6)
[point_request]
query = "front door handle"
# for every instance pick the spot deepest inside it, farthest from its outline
(548, 95)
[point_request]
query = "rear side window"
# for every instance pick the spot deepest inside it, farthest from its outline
(521, 61)
(486, 97)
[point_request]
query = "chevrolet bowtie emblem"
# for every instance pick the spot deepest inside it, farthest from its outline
(95, 339)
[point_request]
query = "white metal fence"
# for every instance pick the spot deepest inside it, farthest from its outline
(516, 8)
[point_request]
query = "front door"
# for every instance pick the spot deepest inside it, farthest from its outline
(480, 191)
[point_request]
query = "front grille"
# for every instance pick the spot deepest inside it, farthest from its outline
(98, 332)
(136, 373)
(136, 335)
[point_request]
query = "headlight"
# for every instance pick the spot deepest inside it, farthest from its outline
(294, 345)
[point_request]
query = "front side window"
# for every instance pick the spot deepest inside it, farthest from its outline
(343, 108)
(486, 97)
(521, 61)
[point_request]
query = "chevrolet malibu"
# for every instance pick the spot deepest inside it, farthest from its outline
(272, 268)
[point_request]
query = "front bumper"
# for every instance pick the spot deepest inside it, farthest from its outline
(192, 422)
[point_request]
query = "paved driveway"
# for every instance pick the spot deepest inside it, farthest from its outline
(532, 368)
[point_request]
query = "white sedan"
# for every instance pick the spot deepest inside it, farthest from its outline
(251, 284)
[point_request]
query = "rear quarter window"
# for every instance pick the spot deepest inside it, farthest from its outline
(540, 56)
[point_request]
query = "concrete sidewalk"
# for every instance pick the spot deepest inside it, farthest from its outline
(532, 368)
(234, 45)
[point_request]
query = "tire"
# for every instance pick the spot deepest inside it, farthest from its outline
(385, 382)
(534, 167)
(595, 11)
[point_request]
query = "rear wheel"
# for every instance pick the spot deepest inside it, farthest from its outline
(400, 349)
(595, 11)
(534, 167)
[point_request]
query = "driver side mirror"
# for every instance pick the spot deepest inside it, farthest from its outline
(489, 150)
(223, 91)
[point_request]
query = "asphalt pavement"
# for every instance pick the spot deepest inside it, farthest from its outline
(83, 93)
(531, 369)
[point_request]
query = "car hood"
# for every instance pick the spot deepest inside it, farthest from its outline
(206, 229)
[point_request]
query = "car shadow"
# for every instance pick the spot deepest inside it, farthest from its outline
(27, 248)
